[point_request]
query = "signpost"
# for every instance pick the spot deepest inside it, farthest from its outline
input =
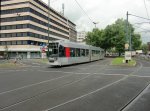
(127, 56)
(126, 46)
(43, 51)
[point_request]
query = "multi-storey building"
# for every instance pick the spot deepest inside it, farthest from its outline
(24, 27)
(81, 36)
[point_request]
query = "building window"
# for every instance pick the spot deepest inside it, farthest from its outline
(24, 34)
(13, 42)
(19, 26)
(20, 18)
(8, 43)
(24, 26)
(14, 35)
(12, 19)
(8, 35)
(3, 43)
(24, 42)
(3, 35)
(14, 27)
(19, 43)
(8, 27)
(3, 27)
(19, 34)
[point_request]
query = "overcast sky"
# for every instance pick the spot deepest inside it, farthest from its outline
(105, 12)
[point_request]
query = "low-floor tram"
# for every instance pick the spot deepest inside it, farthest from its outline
(66, 53)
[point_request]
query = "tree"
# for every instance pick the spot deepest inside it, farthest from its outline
(136, 41)
(118, 35)
(94, 38)
(114, 36)
(145, 48)
(107, 38)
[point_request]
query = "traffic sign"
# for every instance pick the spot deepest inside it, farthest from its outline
(126, 46)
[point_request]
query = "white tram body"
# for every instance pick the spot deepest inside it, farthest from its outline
(66, 53)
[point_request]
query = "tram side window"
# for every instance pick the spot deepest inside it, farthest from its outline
(87, 52)
(77, 52)
(93, 52)
(82, 52)
(72, 52)
(103, 52)
(97, 52)
(61, 51)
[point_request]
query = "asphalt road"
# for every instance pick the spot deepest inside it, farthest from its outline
(95, 86)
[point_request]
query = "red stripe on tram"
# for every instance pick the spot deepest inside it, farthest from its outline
(67, 49)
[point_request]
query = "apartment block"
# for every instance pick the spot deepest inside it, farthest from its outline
(24, 27)
(81, 36)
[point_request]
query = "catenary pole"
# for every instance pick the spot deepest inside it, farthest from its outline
(127, 28)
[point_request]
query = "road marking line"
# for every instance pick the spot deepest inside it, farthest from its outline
(144, 61)
(44, 93)
(35, 66)
(81, 73)
(84, 73)
(135, 99)
(119, 69)
(132, 73)
(36, 63)
(65, 72)
(85, 95)
(49, 71)
(33, 84)
(111, 74)
(140, 76)
(8, 71)
(68, 72)
(146, 67)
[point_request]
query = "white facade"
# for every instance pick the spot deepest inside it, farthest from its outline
(24, 28)
(81, 36)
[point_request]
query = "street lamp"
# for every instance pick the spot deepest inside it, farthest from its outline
(48, 24)
(95, 23)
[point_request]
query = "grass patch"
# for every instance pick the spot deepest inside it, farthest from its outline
(44, 61)
(9, 65)
(119, 61)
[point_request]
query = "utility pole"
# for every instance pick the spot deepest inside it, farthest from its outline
(48, 25)
(128, 35)
(128, 41)
(127, 28)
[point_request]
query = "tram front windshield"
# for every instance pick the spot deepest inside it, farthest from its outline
(53, 49)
